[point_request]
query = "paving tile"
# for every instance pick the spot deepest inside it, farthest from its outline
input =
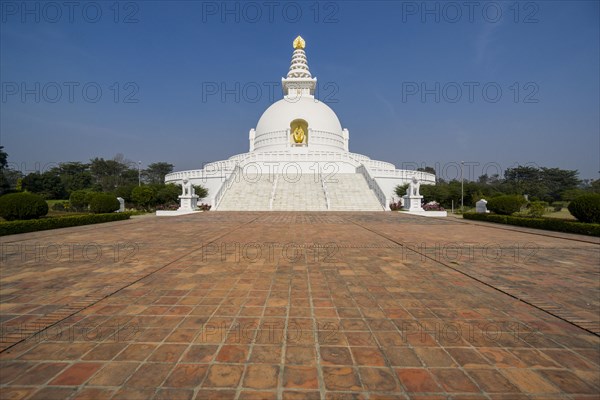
(113, 374)
(341, 378)
(467, 358)
(568, 382)
(290, 329)
(94, 394)
(174, 394)
(454, 380)
(53, 393)
(266, 354)
(252, 395)
(434, 357)
(378, 379)
(76, 374)
(223, 375)
(212, 394)
(186, 376)
(167, 353)
(233, 354)
(300, 355)
(402, 357)
(492, 381)
(199, 354)
(300, 377)
(261, 376)
(335, 355)
(304, 395)
(369, 356)
(149, 375)
(418, 380)
(529, 381)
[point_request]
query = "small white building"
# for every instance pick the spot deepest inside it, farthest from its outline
(299, 159)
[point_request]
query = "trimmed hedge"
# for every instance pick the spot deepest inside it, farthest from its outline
(549, 224)
(22, 206)
(506, 205)
(586, 208)
(14, 227)
(104, 203)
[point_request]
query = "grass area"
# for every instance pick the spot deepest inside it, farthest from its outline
(563, 214)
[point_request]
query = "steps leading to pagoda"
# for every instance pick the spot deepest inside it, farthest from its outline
(248, 193)
(299, 193)
(346, 192)
(350, 192)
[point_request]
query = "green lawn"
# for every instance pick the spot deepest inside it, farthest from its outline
(564, 214)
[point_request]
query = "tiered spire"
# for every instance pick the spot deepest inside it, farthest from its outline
(299, 79)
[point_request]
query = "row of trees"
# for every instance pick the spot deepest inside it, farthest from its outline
(77, 181)
(117, 175)
(541, 184)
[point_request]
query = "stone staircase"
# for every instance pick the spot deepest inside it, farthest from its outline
(350, 192)
(346, 192)
(248, 193)
(299, 193)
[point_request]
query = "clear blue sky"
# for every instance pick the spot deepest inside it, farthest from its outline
(369, 57)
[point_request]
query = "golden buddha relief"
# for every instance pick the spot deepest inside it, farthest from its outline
(299, 131)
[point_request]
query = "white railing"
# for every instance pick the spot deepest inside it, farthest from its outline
(423, 177)
(223, 169)
(327, 202)
(374, 186)
(226, 185)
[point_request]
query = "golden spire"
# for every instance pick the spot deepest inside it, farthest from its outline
(299, 43)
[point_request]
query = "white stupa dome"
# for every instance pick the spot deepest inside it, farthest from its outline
(273, 126)
(324, 131)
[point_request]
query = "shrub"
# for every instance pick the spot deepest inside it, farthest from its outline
(142, 196)
(62, 206)
(205, 207)
(22, 206)
(549, 224)
(14, 227)
(200, 191)
(103, 203)
(395, 206)
(89, 196)
(506, 205)
(167, 194)
(79, 199)
(586, 208)
(536, 209)
(433, 206)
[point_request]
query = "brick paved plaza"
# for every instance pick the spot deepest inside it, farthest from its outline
(299, 305)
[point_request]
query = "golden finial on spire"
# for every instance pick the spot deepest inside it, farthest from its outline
(299, 43)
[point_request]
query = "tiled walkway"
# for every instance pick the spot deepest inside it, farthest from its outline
(299, 305)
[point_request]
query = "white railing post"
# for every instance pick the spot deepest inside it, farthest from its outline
(325, 191)
(373, 185)
(221, 192)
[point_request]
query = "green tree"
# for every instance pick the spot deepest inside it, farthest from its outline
(143, 196)
(46, 184)
(155, 172)
(74, 175)
(201, 191)
(110, 174)
(166, 194)
(429, 170)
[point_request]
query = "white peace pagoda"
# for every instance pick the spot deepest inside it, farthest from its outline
(299, 160)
